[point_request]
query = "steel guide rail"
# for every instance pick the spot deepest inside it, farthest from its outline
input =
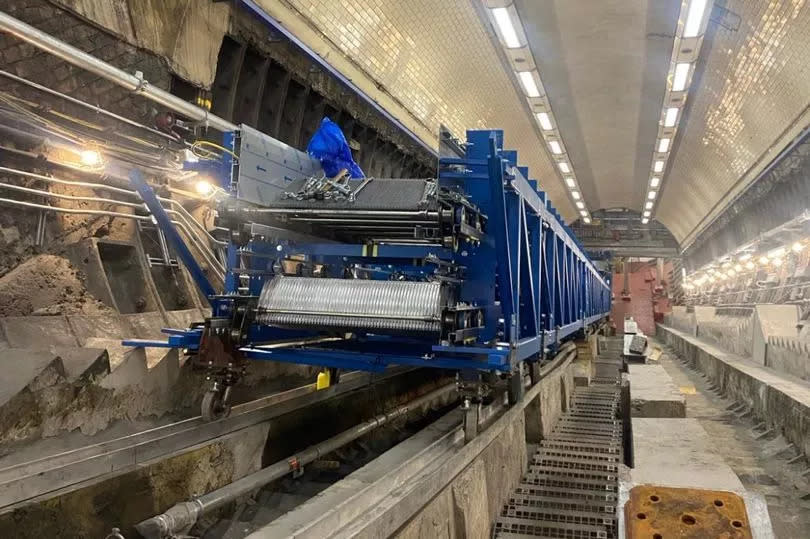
(26, 481)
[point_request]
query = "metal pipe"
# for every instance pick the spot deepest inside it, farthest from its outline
(184, 515)
(94, 108)
(49, 194)
(103, 213)
(207, 253)
(132, 83)
(180, 210)
(346, 213)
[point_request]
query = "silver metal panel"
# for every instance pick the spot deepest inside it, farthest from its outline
(267, 166)
(348, 304)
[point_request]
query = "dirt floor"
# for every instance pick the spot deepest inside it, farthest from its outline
(761, 463)
(47, 285)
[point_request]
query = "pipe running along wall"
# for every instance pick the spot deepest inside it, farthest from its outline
(184, 515)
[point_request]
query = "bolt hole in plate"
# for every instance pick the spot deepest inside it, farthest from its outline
(658, 512)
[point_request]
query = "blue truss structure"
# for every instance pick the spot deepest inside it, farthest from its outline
(525, 271)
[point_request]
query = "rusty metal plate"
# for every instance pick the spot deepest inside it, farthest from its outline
(665, 512)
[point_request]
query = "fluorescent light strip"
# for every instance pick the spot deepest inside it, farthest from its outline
(694, 17)
(580, 205)
(545, 121)
(658, 166)
(587, 220)
(648, 205)
(680, 77)
(663, 145)
(651, 195)
(504, 22)
(575, 194)
(527, 80)
(507, 25)
(583, 213)
(654, 181)
(671, 117)
(646, 214)
(645, 221)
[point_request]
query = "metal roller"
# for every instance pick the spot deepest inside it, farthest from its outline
(391, 307)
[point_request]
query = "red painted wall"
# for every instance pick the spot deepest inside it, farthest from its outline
(647, 301)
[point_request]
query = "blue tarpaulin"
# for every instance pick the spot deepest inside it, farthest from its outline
(329, 146)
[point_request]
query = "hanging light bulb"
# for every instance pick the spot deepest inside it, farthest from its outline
(203, 187)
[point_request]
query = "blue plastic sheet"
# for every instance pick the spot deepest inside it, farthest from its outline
(329, 146)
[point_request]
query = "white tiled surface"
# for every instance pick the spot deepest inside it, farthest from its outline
(438, 60)
(755, 85)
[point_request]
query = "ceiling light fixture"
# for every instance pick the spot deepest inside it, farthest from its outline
(658, 166)
(663, 145)
(505, 27)
(527, 80)
(694, 17)
(545, 121)
(587, 220)
(580, 205)
(654, 181)
(647, 214)
(797, 247)
(671, 117)
(510, 33)
(648, 205)
(583, 213)
(651, 195)
(575, 194)
(645, 221)
(681, 75)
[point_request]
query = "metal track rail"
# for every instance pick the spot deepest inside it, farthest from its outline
(24, 482)
(571, 485)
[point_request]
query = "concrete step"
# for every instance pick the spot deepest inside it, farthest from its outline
(28, 370)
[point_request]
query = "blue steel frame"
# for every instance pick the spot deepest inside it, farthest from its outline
(528, 274)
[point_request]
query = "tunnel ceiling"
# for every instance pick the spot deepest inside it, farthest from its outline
(604, 67)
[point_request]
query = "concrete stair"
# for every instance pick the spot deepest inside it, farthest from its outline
(68, 372)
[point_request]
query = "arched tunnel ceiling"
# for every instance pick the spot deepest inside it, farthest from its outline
(439, 60)
(604, 66)
(751, 100)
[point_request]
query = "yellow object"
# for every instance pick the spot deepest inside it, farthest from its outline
(324, 380)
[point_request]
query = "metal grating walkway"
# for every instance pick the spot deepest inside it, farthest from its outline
(570, 488)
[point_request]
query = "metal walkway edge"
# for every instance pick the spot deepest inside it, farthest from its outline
(571, 485)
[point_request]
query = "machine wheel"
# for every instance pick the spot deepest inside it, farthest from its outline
(212, 407)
